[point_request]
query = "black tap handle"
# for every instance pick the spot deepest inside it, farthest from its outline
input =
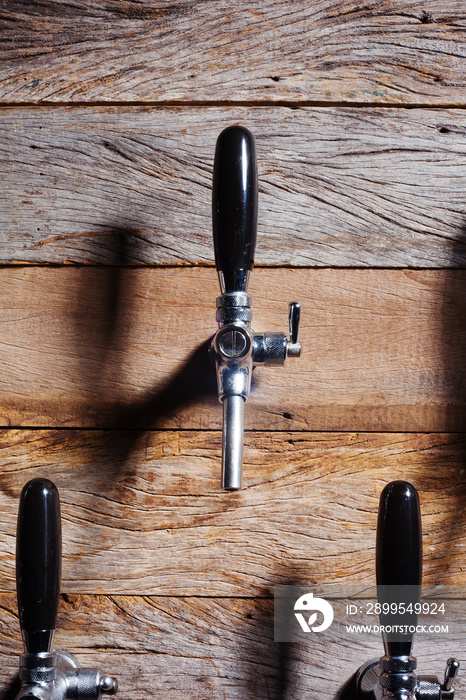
(38, 563)
(399, 563)
(234, 207)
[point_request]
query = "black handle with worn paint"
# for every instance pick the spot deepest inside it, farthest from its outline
(234, 207)
(38, 563)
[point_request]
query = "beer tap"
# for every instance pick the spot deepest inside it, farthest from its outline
(235, 348)
(46, 674)
(399, 575)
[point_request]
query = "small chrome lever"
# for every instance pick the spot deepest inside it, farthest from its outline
(235, 348)
(399, 574)
(451, 672)
(46, 674)
(293, 346)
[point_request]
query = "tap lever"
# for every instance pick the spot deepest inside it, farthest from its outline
(451, 673)
(295, 318)
(234, 207)
(293, 346)
(38, 564)
(46, 674)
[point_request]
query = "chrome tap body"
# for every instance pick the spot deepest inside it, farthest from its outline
(46, 674)
(56, 675)
(399, 577)
(235, 348)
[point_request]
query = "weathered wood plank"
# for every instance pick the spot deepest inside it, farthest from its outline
(213, 648)
(346, 187)
(143, 513)
(119, 347)
(409, 52)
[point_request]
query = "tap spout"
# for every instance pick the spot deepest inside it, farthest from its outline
(232, 442)
(232, 353)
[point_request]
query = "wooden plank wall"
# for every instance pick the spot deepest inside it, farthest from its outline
(109, 115)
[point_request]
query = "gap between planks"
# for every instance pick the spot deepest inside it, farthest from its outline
(233, 103)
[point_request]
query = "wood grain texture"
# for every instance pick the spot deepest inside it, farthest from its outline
(339, 187)
(167, 580)
(143, 513)
(203, 647)
(94, 347)
(402, 52)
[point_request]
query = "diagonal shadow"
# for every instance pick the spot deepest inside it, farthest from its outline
(194, 380)
(101, 312)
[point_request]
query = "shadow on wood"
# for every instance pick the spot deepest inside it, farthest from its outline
(195, 379)
(283, 659)
(453, 333)
(102, 317)
(348, 690)
(262, 652)
(12, 690)
(101, 314)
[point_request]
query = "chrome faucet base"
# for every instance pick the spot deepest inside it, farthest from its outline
(389, 677)
(231, 351)
(56, 675)
(235, 351)
(374, 682)
(235, 308)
